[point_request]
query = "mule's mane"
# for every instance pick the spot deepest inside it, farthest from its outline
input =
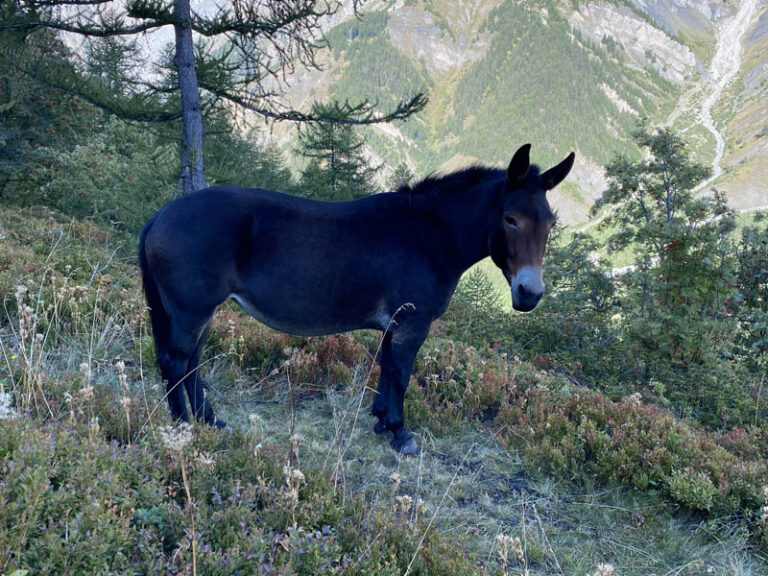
(436, 186)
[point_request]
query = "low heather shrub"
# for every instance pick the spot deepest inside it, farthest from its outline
(75, 502)
(585, 436)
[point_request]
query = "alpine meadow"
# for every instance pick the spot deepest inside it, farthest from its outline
(513, 253)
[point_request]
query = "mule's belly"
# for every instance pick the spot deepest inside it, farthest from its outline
(311, 322)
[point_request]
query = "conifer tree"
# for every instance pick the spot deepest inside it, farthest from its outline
(337, 168)
(683, 273)
(402, 175)
(32, 120)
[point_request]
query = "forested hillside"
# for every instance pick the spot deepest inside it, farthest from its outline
(559, 74)
(537, 80)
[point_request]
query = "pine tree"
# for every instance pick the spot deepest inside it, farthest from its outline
(683, 274)
(337, 168)
(401, 176)
(33, 120)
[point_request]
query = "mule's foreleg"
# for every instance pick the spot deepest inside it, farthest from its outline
(397, 364)
(381, 401)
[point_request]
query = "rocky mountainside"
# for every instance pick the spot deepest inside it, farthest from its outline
(562, 75)
(743, 120)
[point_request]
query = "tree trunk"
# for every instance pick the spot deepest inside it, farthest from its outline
(192, 177)
(333, 167)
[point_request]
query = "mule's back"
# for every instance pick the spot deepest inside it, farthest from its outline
(298, 265)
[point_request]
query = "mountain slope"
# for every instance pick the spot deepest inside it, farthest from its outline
(745, 158)
(561, 75)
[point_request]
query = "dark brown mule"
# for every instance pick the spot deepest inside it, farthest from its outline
(311, 268)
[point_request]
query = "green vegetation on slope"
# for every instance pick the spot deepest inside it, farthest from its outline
(93, 480)
(373, 68)
(539, 81)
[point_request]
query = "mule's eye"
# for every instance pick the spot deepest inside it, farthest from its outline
(511, 221)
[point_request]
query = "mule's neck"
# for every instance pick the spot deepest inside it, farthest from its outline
(469, 216)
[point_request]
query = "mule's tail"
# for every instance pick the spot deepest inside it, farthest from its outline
(161, 321)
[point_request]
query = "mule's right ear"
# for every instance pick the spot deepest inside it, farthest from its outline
(521, 162)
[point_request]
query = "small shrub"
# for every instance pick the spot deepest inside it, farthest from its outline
(311, 364)
(74, 502)
(692, 488)
(589, 435)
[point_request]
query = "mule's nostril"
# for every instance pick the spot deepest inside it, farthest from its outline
(527, 294)
(524, 299)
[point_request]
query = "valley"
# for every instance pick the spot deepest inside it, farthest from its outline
(561, 75)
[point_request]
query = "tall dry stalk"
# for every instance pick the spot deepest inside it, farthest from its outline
(125, 400)
(176, 440)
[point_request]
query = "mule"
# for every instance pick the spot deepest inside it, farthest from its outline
(388, 261)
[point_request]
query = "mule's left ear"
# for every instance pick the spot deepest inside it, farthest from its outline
(557, 174)
(521, 162)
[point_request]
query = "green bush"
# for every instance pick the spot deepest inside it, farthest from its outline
(693, 489)
(630, 441)
(584, 436)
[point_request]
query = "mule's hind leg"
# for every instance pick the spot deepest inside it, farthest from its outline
(195, 385)
(173, 366)
(174, 361)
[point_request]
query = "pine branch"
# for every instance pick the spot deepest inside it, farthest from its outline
(363, 113)
(91, 18)
(248, 19)
(57, 3)
(91, 31)
(101, 102)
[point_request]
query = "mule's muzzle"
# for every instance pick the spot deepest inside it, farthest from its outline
(527, 288)
(524, 300)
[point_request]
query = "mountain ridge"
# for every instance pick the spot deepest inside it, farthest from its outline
(562, 75)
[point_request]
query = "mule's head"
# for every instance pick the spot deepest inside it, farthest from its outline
(519, 238)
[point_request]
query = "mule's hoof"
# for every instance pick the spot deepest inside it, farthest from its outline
(407, 447)
(218, 423)
(380, 427)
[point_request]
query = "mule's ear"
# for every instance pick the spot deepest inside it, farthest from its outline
(557, 174)
(518, 167)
